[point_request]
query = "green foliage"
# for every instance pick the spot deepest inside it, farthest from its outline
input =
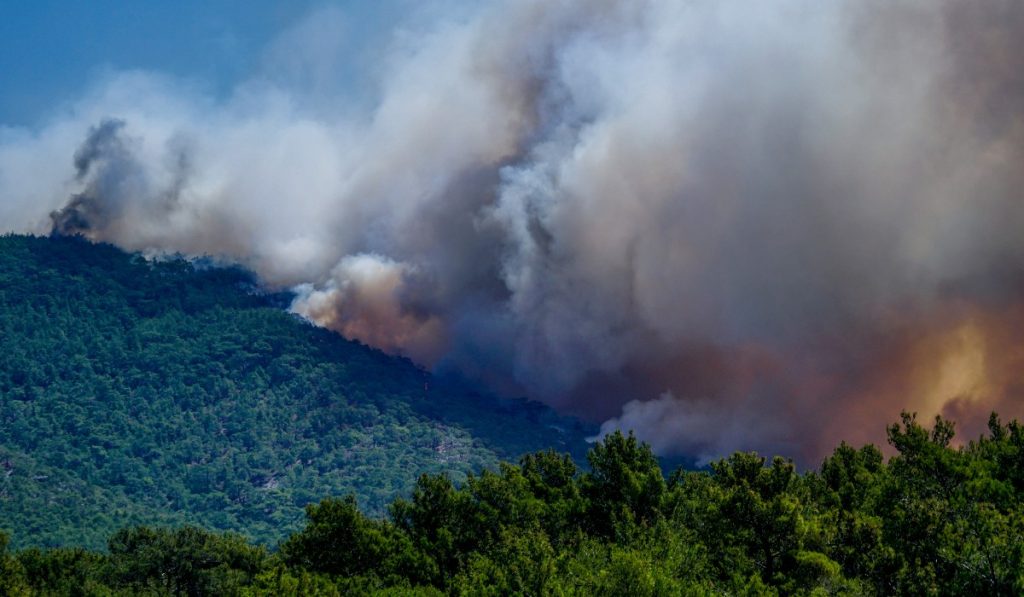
(162, 393)
(167, 392)
(337, 540)
(934, 520)
(63, 571)
(185, 561)
(12, 574)
(624, 486)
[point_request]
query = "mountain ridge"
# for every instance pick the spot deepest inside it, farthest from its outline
(139, 391)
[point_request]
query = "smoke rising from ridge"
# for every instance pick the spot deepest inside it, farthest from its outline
(728, 226)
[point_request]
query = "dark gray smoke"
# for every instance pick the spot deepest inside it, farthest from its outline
(725, 224)
(106, 157)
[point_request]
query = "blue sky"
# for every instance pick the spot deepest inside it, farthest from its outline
(51, 50)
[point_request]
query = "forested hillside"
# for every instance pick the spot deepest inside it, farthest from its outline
(164, 392)
(933, 520)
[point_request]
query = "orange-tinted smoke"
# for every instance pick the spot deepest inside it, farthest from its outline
(963, 362)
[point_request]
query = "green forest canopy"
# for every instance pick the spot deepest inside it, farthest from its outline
(148, 406)
(932, 520)
(169, 392)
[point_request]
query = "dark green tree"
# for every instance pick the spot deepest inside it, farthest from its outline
(624, 486)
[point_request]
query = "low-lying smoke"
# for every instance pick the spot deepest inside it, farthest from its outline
(728, 225)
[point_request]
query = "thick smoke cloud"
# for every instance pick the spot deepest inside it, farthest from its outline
(728, 225)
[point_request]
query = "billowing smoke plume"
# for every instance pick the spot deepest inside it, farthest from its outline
(728, 225)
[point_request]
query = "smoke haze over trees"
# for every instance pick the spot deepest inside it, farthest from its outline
(725, 225)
